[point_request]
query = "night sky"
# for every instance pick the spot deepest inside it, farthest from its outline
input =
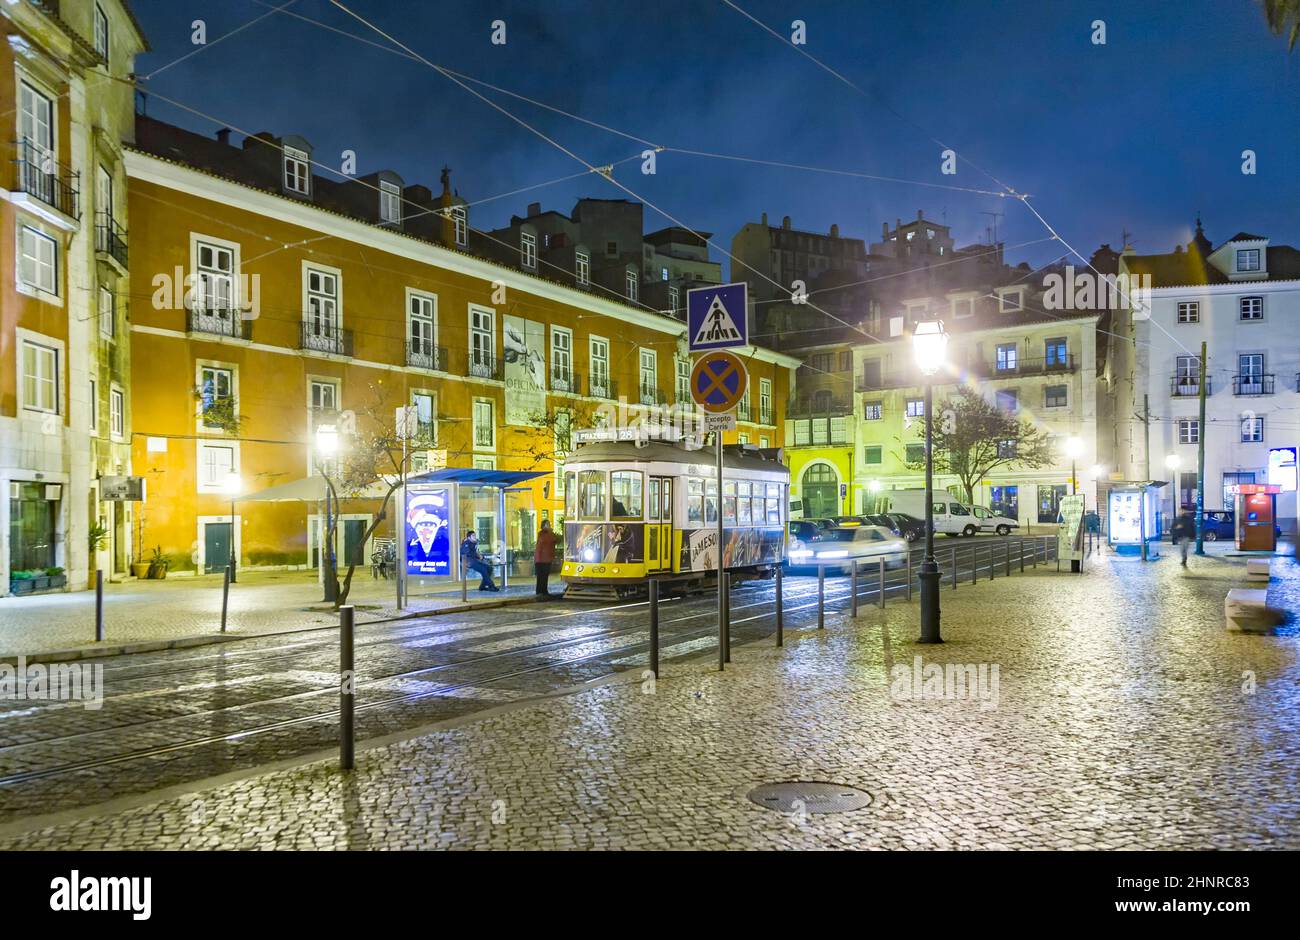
(1139, 133)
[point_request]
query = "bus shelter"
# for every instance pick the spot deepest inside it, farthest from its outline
(437, 509)
(1133, 516)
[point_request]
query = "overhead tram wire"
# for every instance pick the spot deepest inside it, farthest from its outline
(282, 8)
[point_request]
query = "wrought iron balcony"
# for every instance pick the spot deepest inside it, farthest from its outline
(110, 238)
(1252, 385)
(423, 355)
(564, 379)
(482, 366)
(220, 321)
(817, 408)
(905, 379)
(326, 337)
(650, 395)
(599, 386)
(41, 176)
(1188, 386)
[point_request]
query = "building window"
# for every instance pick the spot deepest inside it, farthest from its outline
(426, 416)
(1189, 431)
(663, 274)
(215, 281)
(322, 304)
(1247, 259)
(116, 413)
(582, 264)
(1252, 430)
(101, 32)
(527, 250)
(1252, 308)
(764, 442)
(1055, 352)
(1189, 312)
(631, 285)
(674, 299)
(915, 453)
(599, 366)
(1007, 450)
(915, 407)
(38, 267)
(296, 174)
(324, 396)
(423, 330)
(765, 401)
(1008, 400)
(1054, 396)
(683, 380)
(485, 429)
(390, 202)
(963, 307)
(611, 249)
(216, 395)
(94, 407)
(216, 463)
(107, 317)
(742, 438)
(562, 359)
(40, 377)
(743, 409)
(648, 377)
(874, 454)
(871, 410)
(482, 341)
(1007, 357)
(1011, 300)
(460, 220)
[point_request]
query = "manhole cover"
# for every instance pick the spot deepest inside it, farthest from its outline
(809, 796)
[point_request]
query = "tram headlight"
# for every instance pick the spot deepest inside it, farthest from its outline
(589, 554)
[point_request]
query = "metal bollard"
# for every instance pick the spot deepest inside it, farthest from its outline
(726, 616)
(882, 584)
(954, 567)
(99, 606)
(993, 564)
(654, 627)
(464, 581)
(347, 685)
(974, 564)
(853, 589)
(780, 611)
(225, 598)
(1006, 546)
(821, 597)
(1021, 550)
(909, 573)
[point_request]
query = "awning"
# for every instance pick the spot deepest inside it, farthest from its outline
(309, 490)
(473, 477)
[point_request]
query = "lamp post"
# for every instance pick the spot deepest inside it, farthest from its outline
(1173, 462)
(1073, 448)
(327, 445)
(929, 343)
(874, 487)
(232, 487)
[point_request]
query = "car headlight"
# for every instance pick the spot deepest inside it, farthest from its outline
(833, 554)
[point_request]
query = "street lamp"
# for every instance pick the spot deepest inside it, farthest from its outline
(327, 445)
(232, 487)
(1073, 450)
(929, 345)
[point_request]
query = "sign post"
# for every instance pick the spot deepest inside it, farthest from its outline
(717, 319)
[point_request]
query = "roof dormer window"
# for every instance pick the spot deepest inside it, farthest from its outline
(297, 175)
(1011, 300)
(1247, 259)
(101, 32)
(390, 202)
(460, 219)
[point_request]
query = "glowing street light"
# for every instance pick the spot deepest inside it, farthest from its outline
(1173, 461)
(929, 347)
(327, 445)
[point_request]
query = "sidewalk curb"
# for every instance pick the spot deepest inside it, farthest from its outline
(184, 642)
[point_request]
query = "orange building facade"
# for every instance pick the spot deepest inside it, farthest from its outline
(264, 307)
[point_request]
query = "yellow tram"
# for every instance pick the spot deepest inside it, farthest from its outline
(636, 509)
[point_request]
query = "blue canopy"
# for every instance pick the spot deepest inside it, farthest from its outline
(474, 477)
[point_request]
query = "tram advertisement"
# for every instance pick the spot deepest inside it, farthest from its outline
(744, 547)
(428, 535)
(607, 542)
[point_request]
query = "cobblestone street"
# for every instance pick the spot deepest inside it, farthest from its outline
(1123, 716)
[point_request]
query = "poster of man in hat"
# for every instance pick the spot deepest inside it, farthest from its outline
(428, 546)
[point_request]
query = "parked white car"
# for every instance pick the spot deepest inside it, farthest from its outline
(990, 521)
(839, 547)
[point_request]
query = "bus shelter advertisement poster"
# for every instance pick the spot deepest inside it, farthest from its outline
(428, 533)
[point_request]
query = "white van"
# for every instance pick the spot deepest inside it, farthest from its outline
(951, 517)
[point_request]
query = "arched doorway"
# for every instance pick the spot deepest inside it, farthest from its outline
(820, 489)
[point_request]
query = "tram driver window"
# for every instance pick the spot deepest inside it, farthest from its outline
(711, 501)
(591, 495)
(743, 514)
(729, 502)
(695, 500)
(625, 494)
(570, 497)
(774, 504)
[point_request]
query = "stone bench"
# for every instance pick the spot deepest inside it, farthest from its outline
(1258, 569)
(1245, 610)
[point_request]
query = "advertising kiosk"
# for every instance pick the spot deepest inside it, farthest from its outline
(1133, 517)
(1255, 506)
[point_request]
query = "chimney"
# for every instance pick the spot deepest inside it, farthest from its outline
(835, 230)
(764, 218)
(920, 216)
(884, 231)
(534, 208)
(898, 223)
(223, 136)
(785, 222)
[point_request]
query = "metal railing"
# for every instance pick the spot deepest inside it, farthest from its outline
(564, 379)
(812, 408)
(426, 356)
(480, 366)
(1252, 384)
(1043, 366)
(650, 395)
(110, 238)
(54, 184)
(599, 387)
(1184, 386)
(325, 337)
(223, 321)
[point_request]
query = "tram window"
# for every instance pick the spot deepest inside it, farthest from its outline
(625, 493)
(711, 501)
(743, 514)
(591, 495)
(652, 504)
(728, 502)
(694, 500)
(570, 495)
(774, 512)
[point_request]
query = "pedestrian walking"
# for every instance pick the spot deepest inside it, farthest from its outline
(1183, 532)
(543, 558)
(469, 552)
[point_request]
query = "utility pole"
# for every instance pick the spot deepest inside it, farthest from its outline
(1200, 464)
(1146, 450)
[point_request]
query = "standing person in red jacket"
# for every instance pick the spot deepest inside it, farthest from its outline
(543, 558)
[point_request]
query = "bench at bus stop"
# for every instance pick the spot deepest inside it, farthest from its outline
(1246, 610)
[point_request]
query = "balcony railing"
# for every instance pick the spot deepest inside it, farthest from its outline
(817, 408)
(426, 356)
(110, 238)
(1252, 385)
(650, 395)
(564, 379)
(481, 366)
(1044, 366)
(896, 380)
(1187, 386)
(602, 387)
(224, 321)
(326, 338)
(744, 412)
(51, 182)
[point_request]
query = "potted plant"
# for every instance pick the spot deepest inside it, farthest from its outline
(40, 580)
(20, 582)
(140, 569)
(57, 578)
(157, 564)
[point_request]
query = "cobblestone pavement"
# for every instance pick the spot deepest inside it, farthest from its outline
(144, 611)
(1125, 716)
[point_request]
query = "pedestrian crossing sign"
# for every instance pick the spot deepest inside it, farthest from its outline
(716, 316)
